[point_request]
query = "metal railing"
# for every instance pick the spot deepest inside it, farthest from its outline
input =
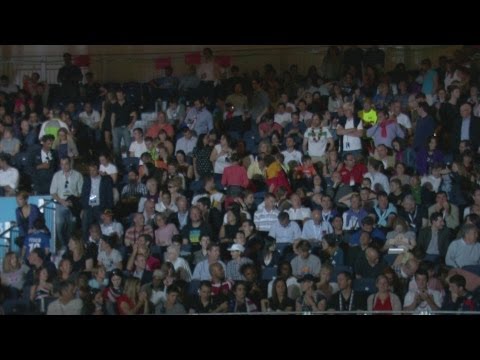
(340, 313)
(10, 234)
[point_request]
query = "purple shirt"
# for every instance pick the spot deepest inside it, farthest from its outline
(393, 131)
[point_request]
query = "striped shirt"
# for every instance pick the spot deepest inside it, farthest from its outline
(264, 219)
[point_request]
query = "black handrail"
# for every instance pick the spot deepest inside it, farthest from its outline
(14, 224)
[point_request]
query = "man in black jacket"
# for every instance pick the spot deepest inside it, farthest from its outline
(467, 127)
(43, 164)
(435, 239)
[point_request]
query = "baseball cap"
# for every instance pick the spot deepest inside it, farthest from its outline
(108, 212)
(236, 247)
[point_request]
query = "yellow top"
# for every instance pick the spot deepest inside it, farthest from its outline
(273, 170)
(369, 117)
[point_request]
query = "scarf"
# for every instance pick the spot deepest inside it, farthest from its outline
(383, 126)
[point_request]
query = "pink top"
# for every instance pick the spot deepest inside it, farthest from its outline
(163, 236)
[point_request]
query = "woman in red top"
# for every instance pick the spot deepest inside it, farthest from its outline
(383, 300)
(234, 177)
(132, 301)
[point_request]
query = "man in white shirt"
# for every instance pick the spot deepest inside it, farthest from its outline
(297, 211)
(91, 118)
(8, 176)
(435, 178)
(282, 117)
(315, 229)
(137, 147)
(291, 154)
(66, 185)
(66, 303)
(376, 177)
(422, 299)
(304, 114)
(110, 227)
(316, 139)
(284, 230)
(351, 130)
(264, 218)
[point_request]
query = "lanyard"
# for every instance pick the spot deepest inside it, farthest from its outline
(350, 303)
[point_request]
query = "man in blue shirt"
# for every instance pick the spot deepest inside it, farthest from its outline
(199, 119)
(38, 238)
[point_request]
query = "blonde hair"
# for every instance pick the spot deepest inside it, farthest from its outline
(97, 269)
(132, 288)
(7, 267)
(80, 245)
(348, 106)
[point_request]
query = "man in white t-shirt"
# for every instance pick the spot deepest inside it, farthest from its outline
(66, 304)
(422, 299)
(316, 139)
(138, 146)
(351, 130)
(291, 154)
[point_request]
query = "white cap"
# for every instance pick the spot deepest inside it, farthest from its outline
(237, 247)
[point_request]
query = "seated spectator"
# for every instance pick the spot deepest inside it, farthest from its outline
(66, 303)
(9, 144)
(369, 266)
(346, 299)
(13, 271)
(133, 301)
(269, 257)
(434, 240)
(240, 302)
(466, 250)
(180, 264)
(9, 176)
(422, 299)
(304, 262)
(42, 288)
(458, 297)
(99, 280)
(108, 256)
(324, 286)
(384, 299)
(113, 291)
(400, 237)
(331, 252)
(65, 145)
(310, 300)
(234, 265)
(156, 290)
(171, 306)
(203, 302)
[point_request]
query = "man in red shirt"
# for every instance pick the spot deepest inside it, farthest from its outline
(351, 172)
